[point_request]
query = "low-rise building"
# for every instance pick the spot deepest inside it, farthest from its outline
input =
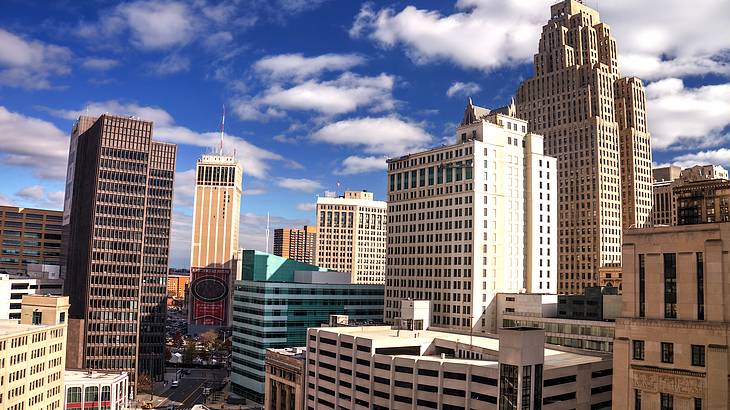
(382, 367)
(275, 303)
(541, 311)
(38, 279)
(671, 346)
(285, 378)
(88, 389)
(33, 354)
(596, 303)
(29, 236)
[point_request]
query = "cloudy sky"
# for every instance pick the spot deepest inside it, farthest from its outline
(319, 92)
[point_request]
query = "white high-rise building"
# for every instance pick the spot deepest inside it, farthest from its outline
(469, 220)
(351, 235)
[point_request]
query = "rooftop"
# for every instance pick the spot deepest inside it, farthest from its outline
(12, 327)
(297, 352)
(388, 337)
(80, 376)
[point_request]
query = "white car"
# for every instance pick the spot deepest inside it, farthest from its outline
(174, 384)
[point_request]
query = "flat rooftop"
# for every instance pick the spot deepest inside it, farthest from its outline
(388, 337)
(10, 327)
(80, 376)
(290, 351)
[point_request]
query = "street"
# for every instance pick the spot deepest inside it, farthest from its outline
(189, 392)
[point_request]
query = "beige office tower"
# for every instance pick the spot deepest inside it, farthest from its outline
(351, 235)
(296, 244)
(663, 205)
(671, 345)
(472, 219)
(216, 215)
(594, 122)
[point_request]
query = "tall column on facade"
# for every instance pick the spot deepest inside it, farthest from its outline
(117, 227)
(594, 122)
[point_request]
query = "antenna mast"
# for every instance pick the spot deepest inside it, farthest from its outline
(267, 232)
(223, 127)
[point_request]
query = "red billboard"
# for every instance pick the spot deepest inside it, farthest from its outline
(209, 296)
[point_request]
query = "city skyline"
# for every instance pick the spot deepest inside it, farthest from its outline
(372, 74)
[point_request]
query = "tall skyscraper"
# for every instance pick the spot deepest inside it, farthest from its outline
(119, 206)
(216, 216)
(472, 219)
(594, 122)
(297, 244)
(351, 235)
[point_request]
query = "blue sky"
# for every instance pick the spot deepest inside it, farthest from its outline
(320, 92)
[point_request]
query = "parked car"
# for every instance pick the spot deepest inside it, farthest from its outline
(174, 384)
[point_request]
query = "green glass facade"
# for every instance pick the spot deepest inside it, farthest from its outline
(272, 311)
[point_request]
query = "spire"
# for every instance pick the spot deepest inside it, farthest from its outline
(223, 125)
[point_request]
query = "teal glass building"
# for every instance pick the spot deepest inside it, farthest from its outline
(277, 300)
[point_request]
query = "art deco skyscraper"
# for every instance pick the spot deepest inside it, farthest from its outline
(594, 122)
(216, 216)
(119, 206)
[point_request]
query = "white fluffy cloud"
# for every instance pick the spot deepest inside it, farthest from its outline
(30, 63)
(299, 184)
(687, 117)
(257, 161)
(382, 136)
(360, 165)
(462, 89)
(149, 24)
(33, 143)
(482, 35)
(344, 94)
(488, 34)
(298, 67)
(720, 156)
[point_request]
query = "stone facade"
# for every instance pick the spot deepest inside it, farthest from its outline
(595, 123)
(671, 341)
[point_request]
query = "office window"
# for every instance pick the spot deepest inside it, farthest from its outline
(667, 352)
(637, 399)
(698, 355)
(37, 316)
(638, 346)
(508, 386)
(700, 286)
(670, 286)
(642, 285)
(698, 403)
(667, 401)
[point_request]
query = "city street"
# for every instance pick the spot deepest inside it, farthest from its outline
(188, 393)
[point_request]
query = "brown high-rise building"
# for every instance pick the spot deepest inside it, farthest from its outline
(29, 236)
(117, 225)
(296, 244)
(594, 122)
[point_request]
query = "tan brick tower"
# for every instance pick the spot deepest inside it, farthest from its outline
(594, 122)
